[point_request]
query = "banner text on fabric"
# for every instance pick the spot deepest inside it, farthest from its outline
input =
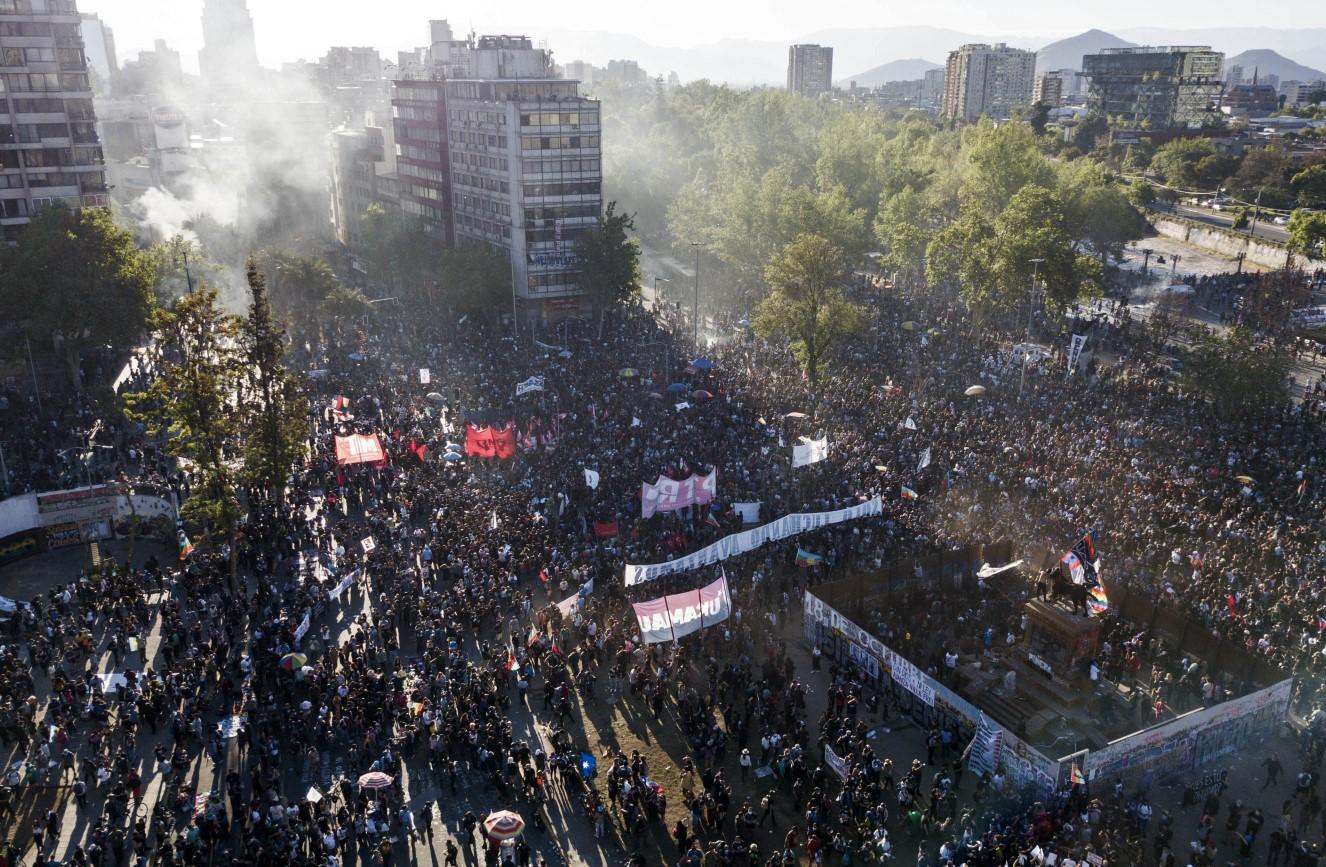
(679, 614)
(669, 495)
(749, 540)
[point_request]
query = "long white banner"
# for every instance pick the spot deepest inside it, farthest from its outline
(749, 540)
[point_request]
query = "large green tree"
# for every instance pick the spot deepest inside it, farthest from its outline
(992, 261)
(1236, 373)
(77, 277)
(806, 306)
(196, 406)
(609, 261)
(1307, 233)
(904, 229)
(278, 424)
(1097, 211)
(296, 285)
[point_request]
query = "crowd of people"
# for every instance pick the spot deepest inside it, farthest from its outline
(459, 625)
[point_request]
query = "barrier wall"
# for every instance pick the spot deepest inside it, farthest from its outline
(48, 520)
(1185, 743)
(1225, 242)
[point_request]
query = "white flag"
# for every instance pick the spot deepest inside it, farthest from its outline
(368, 544)
(811, 452)
(683, 405)
(635, 422)
(424, 376)
(925, 460)
(909, 424)
(493, 523)
(592, 479)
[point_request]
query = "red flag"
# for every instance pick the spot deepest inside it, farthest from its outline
(543, 575)
(479, 442)
(606, 530)
(1232, 603)
(504, 442)
(420, 450)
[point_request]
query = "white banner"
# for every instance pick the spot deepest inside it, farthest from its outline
(749, 540)
(534, 383)
(811, 452)
(592, 479)
(836, 763)
(302, 629)
(424, 376)
(343, 585)
(1075, 350)
(749, 512)
(924, 460)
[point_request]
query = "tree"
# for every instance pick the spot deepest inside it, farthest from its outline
(990, 261)
(1309, 185)
(179, 261)
(609, 261)
(277, 422)
(1090, 130)
(1097, 211)
(903, 229)
(401, 256)
(297, 285)
(1263, 175)
(1190, 163)
(806, 307)
(1001, 160)
(344, 302)
(476, 279)
(77, 277)
(1039, 117)
(195, 406)
(1236, 373)
(1307, 233)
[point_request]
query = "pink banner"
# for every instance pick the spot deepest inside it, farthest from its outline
(669, 495)
(671, 617)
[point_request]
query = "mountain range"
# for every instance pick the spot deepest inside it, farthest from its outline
(748, 62)
(1263, 61)
(895, 70)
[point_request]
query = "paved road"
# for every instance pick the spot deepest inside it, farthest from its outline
(1265, 228)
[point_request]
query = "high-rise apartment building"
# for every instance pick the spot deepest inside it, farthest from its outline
(810, 70)
(1049, 89)
(509, 157)
(49, 149)
(932, 86)
(99, 49)
(987, 80)
(229, 57)
(1298, 94)
(1155, 87)
(1234, 75)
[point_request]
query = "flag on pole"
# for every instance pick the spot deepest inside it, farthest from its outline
(909, 424)
(806, 558)
(924, 461)
(1075, 776)
(534, 636)
(186, 547)
(1097, 601)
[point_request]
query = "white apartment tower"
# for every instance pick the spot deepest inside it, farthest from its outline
(989, 80)
(49, 149)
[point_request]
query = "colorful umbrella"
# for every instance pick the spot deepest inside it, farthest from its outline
(677, 387)
(908, 325)
(435, 397)
(702, 395)
(1247, 480)
(293, 661)
(503, 825)
(375, 780)
(975, 391)
(702, 364)
(451, 456)
(628, 372)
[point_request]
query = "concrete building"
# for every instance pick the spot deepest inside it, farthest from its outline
(49, 148)
(810, 70)
(155, 71)
(229, 57)
(511, 160)
(1299, 94)
(1155, 88)
(1233, 75)
(987, 80)
(1250, 100)
(1049, 89)
(581, 71)
(359, 158)
(99, 47)
(625, 72)
(933, 87)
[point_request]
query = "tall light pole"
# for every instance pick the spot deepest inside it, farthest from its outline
(1031, 308)
(695, 325)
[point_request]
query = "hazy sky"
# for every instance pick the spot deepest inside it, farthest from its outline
(291, 29)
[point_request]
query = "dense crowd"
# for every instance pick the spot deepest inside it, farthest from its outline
(403, 618)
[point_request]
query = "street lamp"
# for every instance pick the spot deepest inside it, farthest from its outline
(1031, 307)
(695, 325)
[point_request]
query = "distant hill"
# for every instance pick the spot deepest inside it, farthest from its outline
(897, 70)
(1067, 53)
(1264, 61)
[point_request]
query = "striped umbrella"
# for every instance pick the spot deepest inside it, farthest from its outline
(374, 780)
(293, 661)
(503, 825)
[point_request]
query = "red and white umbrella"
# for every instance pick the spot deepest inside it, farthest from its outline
(375, 780)
(503, 825)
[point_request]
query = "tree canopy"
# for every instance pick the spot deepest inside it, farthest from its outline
(609, 261)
